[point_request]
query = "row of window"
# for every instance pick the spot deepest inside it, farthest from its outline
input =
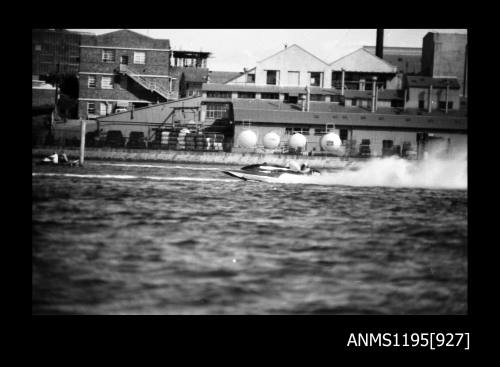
(106, 82)
(441, 104)
(252, 95)
(272, 77)
(104, 108)
(316, 79)
(109, 56)
(217, 111)
(317, 131)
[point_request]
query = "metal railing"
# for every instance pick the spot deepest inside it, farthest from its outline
(148, 84)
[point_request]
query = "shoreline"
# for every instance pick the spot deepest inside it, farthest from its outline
(198, 157)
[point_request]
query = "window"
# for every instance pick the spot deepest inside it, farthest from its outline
(103, 109)
(250, 78)
(108, 55)
(92, 81)
(442, 105)
(354, 102)
(317, 97)
(421, 104)
(297, 130)
(272, 77)
(38, 47)
(124, 60)
(320, 131)
(315, 79)
(107, 82)
(291, 99)
(387, 144)
(219, 94)
(216, 110)
(90, 108)
(139, 57)
(335, 98)
(397, 103)
(293, 78)
(246, 95)
(343, 134)
(270, 96)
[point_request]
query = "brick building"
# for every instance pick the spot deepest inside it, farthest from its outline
(54, 50)
(122, 70)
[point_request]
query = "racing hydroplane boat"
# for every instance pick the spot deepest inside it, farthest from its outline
(270, 172)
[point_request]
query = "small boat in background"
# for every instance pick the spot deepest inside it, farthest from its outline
(58, 160)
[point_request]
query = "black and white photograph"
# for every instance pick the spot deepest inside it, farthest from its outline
(240, 171)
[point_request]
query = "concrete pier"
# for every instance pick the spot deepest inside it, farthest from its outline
(239, 159)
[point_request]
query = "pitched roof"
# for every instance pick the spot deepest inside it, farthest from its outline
(385, 94)
(195, 75)
(223, 76)
(125, 38)
(363, 61)
(267, 104)
(426, 81)
(289, 48)
(264, 88)
(388, 50)
(350, 119)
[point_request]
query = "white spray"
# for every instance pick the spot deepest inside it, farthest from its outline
(436, 170)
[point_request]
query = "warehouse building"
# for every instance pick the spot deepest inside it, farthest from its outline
(374, 110)
(378, 131)
(360, 69)
(423, 92)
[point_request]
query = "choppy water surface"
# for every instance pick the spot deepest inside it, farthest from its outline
(126, 238)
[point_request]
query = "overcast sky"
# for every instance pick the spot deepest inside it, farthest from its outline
(234, 49)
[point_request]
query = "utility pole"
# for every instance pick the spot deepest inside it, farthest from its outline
(56, 82)
(446, 101)
(82, 141)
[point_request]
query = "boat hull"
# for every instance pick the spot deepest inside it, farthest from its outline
(271, 176)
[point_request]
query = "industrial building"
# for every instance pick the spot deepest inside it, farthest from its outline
(377, 130)
(298, 97)
(374, 106)
(445, 55)
(406, 59)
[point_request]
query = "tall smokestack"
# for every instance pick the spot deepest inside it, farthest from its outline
(379, 48)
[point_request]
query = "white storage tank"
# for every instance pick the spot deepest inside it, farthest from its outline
(331, 142)
(247, 139)
(271, 140)
(297, 141)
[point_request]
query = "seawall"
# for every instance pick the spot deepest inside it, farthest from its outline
(240, 159)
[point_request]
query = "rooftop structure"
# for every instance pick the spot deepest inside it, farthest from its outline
(195, 59)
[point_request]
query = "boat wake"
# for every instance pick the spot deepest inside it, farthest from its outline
(130, 177)
(434, 172)
(153, 166)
